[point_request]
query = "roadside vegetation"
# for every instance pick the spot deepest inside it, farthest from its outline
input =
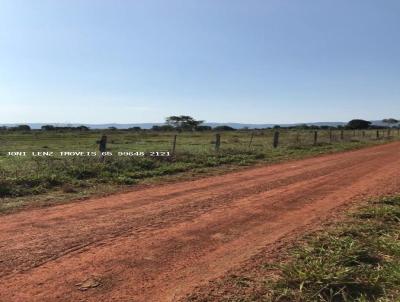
(196, 152)
(357, 260)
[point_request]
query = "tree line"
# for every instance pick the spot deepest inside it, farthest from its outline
(187, 123)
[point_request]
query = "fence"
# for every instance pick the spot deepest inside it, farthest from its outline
(191, 142)
(264, 139)
(196, 149)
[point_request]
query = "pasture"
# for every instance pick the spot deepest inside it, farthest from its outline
(195, 152)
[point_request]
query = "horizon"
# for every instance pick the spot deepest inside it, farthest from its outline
(266, 124)
(284, 62)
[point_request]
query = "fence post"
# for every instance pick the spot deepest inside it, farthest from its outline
(297, 137)
(363, 134)
(276, 139)
(315, 138)
(174, 144)
(102, 146)
(342, 135)
(330, 136)
(377, 134)
(217, 141)
(251, 139)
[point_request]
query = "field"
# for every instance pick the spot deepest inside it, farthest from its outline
(60, 178)
(216, 238)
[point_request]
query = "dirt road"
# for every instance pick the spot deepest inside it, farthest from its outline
(157, 244)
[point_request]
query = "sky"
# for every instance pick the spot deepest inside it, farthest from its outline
(250, 61)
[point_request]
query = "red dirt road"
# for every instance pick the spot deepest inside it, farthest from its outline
(159, 243)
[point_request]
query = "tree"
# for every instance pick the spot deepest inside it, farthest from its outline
(82, 128)
(224, 128)
(183, 122)
(358, 124)
(136, 128)
(21, 128)
(163, 128)
(390, 121)
(48, 128)
(203, 128)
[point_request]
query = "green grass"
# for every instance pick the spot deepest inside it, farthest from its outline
(359, 260)
(22, 177)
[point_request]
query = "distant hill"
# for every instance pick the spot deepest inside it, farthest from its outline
(149, 125)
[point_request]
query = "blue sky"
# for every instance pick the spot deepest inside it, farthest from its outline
(253, 61)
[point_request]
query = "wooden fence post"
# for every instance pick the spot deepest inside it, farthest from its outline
(315, 138)
(342, 135)
(276, 139)
(330, 136)
(251, 139)
(217, 141)
(377, 134)
(174, 144)
(102, 146)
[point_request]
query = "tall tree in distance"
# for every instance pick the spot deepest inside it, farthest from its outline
(358, 124)
(183, 122)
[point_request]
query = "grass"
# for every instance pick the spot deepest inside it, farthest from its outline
(74, 177)
(359, 260)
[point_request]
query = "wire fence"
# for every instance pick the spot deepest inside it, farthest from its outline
(189, 142)
(269, 139)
